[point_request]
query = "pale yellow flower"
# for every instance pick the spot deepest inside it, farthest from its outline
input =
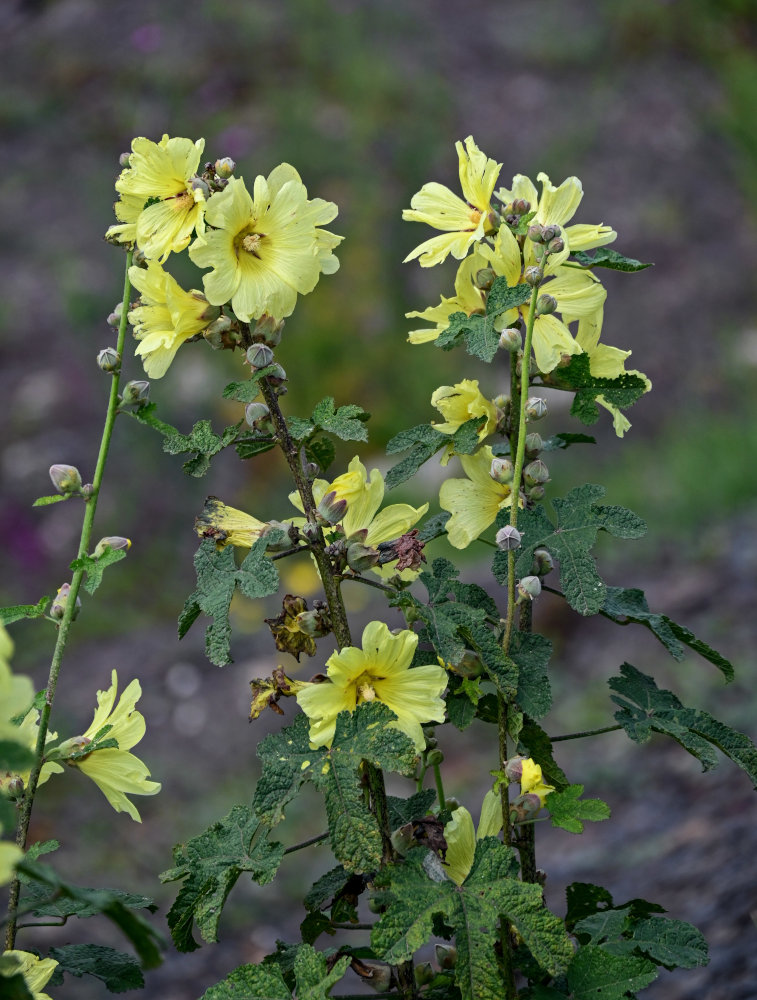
(532, 782)
(380, 671)
(473, 502)
(462, 402)
(35, 971)
(128, 209)
(266, 248)
(228, 525)
(166, 316)
(463, 221)
(467, 298)
(115, 771)
(461, 838)
(162, 174)
(10, 855)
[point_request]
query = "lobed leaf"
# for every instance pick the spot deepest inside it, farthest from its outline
(117, 970)
(595, 972)
(16, 612)
(203, 441)
(575, 376)
(477, 331)
(568, 811)
(95, 566)
(605, 257)
(347, 423)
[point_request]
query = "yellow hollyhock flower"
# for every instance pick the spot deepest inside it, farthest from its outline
(463, 222)
(462, 402)
(36, 971)
(115, 771)
(128, 209)
(228, 525)
(164, 174)
(166, 317)
(380, 671)
(267, 248)
(467, 298)
(461, 839)
(532, 782)
(473, 502)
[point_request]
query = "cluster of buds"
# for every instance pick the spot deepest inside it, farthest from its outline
(513, 212)
(548, 239)
(215, 176)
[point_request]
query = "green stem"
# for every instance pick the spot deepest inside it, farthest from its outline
(27, 802)
(586, 732)
(439, 786)
(307, 843)
(369, 583)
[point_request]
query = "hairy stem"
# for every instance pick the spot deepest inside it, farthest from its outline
(90, 508)
(586, 732)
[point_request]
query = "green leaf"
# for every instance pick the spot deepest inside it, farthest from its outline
(672, 943)
(567, 810)
(423, 442)
(203, 442)
(558, 442)
(596, 973)
(420, 895)
(249, 447)
(579, 517)
(604, 257)
(645, 708)
(320, 450)
(323, 890)
(288, 762)
(117, 970)
(15, 757)
(314, 981)
(434, 527)
(575, 376)
(465, 438)
(55, 498)
(247, 391)
(96, 566)
(266, 982)
(461, 701)
(530, 653)
(402, 811)
(585, 899)
(18, 611)
(630, 605)
(479, 333)
(146, 415)
(211, 864)
(217, 579)
(538, 746)
(347, 423)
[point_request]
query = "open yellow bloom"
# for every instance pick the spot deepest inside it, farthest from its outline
(532, 782)
(463, 221)
(380, 671)
(163, 174)
(115, 771)
(461, 839)
(266, 248)
(36, 971)
(473, 502)
(462, 402)
(228, 525)
(128, 209)
(166, 317)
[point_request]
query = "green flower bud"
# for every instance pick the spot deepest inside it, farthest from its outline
(446, 955)
(217, 333)
(256, 413)
(501, 470)
(545, 305)
(550, 232)
(452, 803)
(66, 478)
(268, 329)
(508, 538)
(502, 402)
(536, 408)
(403, 839)
(470, 666)
(198, 184)
(114, 318)
(536, 473)
(534, 275)
(534, 444)
(277, 376)
(528, 588)
(311, 531)
(543, 562)
(330, 509)
(111, 542)
(514, 767)
(424, 974)
(536, 233)
(60, 602)
(259, 355)
(135, 393)
(434, 758)
(536, 492)
(361, 557)
(510, 340)
(124, 160)
(224, 167)
(485, 278)
(557, 245)
(109, 360)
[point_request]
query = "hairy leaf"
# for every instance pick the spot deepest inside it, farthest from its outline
(117, 970)
(423, 442)
(53, 498)
(313, 980)
(95, 566)
(249, 447)
(530, 653)
(477, 331)
(18, 611)
(247, 391)
(568, 811)
(644, 708)
(537, 745)
(347, 423)
(402, 811)
(575, 376)
(203, 442)
(605, 257)
(672, 943)
(594, 973)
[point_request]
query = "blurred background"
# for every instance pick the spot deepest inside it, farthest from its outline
(652, 105)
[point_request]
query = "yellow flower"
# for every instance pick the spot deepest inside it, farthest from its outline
(166, 317)
(462, 402)
(35, 971)
(128, 209)
(474, 502)
(267, 248)
(380, 671)
(461, 840)
(467, 298)
(163, 174)
(228, 525)
(531, 781)
(10, 855)
(463, 222)
(114, 770)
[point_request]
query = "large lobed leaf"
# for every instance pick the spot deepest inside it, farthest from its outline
(478, 332)
(576, 377)
(315, 975)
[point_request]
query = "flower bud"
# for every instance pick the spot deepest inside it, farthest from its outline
(550, 232)
(510, 340)
(536, 408)
(311, 469)
(446, 955)
(520, 206)
(536, 492)
(530, 803)
(423, 974)
(311, 531)
(434, 758)
(452, 803)
(331, 509)
(114, 318)
(501, 470)
(198, 184)
(557, 245)
(60, 602)
(259, 355)
(485, 278)
(508, 538)
(502, 402)
(403, 840)
(268, 330)
(217, 333)
(534, 444)
(361, 557)
(277, 376)
(536, 233)
(224, 167)
(545, 305)
(135, 393)
(528, 588)
(536, 473)
(111, 542)
(543, 562)
(470, 666)
(514, 767)
(123, 160)
(66, 478)
(256, 413)
(109, 360)
(534, 275)
(87, 490)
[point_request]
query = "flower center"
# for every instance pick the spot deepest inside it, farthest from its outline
(365, 689)
(251, 243)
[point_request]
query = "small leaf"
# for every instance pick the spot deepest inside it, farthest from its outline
(117, 970)
(55, 498)
(203, 441)
(479, 333)
(252, 446)
(672, 943)
(321, 451)
(559, 442)
(567, 810)
(596, 973)
(434, 527)
(247, 391)
(402, 811)
(347, 423)
(604, 257)
(96, 566)
(423, 442)
(146, 415)
(18, 611)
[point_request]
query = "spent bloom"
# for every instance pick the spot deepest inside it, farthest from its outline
(115, 771)
(228, 525)
(35, 971)
(462, 402)
(473, 502)
(461, 838)
(380, 671)
(463, 222)
(267, 247)
(165, 317)
(163, 176)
